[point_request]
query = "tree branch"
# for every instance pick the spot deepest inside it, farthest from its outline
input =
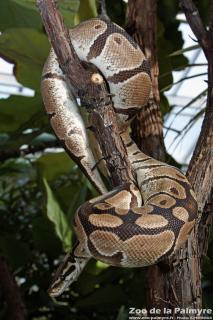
(94, 95)
(195, 22)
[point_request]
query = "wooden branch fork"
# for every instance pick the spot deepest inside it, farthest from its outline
(90, 87)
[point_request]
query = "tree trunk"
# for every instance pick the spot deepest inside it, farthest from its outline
(148, 125)
(176, 282)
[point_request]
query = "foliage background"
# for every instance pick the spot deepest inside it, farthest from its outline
(39, 193)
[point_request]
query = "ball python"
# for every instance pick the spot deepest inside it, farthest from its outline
(135, 224)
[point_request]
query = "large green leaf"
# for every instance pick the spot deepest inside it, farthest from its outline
(13, 14)
(17, 110)
(86, 10)
(69, 9)
(28, 49)
(24, 13)
(57, 217)
(53, 165)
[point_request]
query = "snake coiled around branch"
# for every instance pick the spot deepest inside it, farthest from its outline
(136, 224)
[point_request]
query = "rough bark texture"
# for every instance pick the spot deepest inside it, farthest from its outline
(177, 282)
(93, 93)
(15, 308)
(148, 126)
(205, 225)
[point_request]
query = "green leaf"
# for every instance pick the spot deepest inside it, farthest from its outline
(28, 49)
(69, 9)
(16, 110)
(86, 11)
(53, 165)
(57, 217)
(14, 14)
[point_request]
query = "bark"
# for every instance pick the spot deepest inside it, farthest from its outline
(148, 125)
(90, 87)
(205, 225)
(15, 308)
(177, 282)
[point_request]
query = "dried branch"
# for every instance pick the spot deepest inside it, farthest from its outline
(195, 22)
(94, 95)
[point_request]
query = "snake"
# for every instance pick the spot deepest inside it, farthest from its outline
(135, 224)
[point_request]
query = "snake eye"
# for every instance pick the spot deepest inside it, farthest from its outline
(98, 26)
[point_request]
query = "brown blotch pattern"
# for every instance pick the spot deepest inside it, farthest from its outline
(121, 199)
(105, 220)
(121, 211)
(85, 33)
(143, 210)
(163, 201)
(103, 206)
(184, 234)
(82, 249)
(180, 213)
(138, 251)
(169, 172)
(157, 184)
(119, 57)
(131, 91)
(151, 221)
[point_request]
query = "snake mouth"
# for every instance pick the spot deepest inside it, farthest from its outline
(58, 287)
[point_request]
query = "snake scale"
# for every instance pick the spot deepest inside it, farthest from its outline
(134, 225)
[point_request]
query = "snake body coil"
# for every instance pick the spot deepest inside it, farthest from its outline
(132, 225)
